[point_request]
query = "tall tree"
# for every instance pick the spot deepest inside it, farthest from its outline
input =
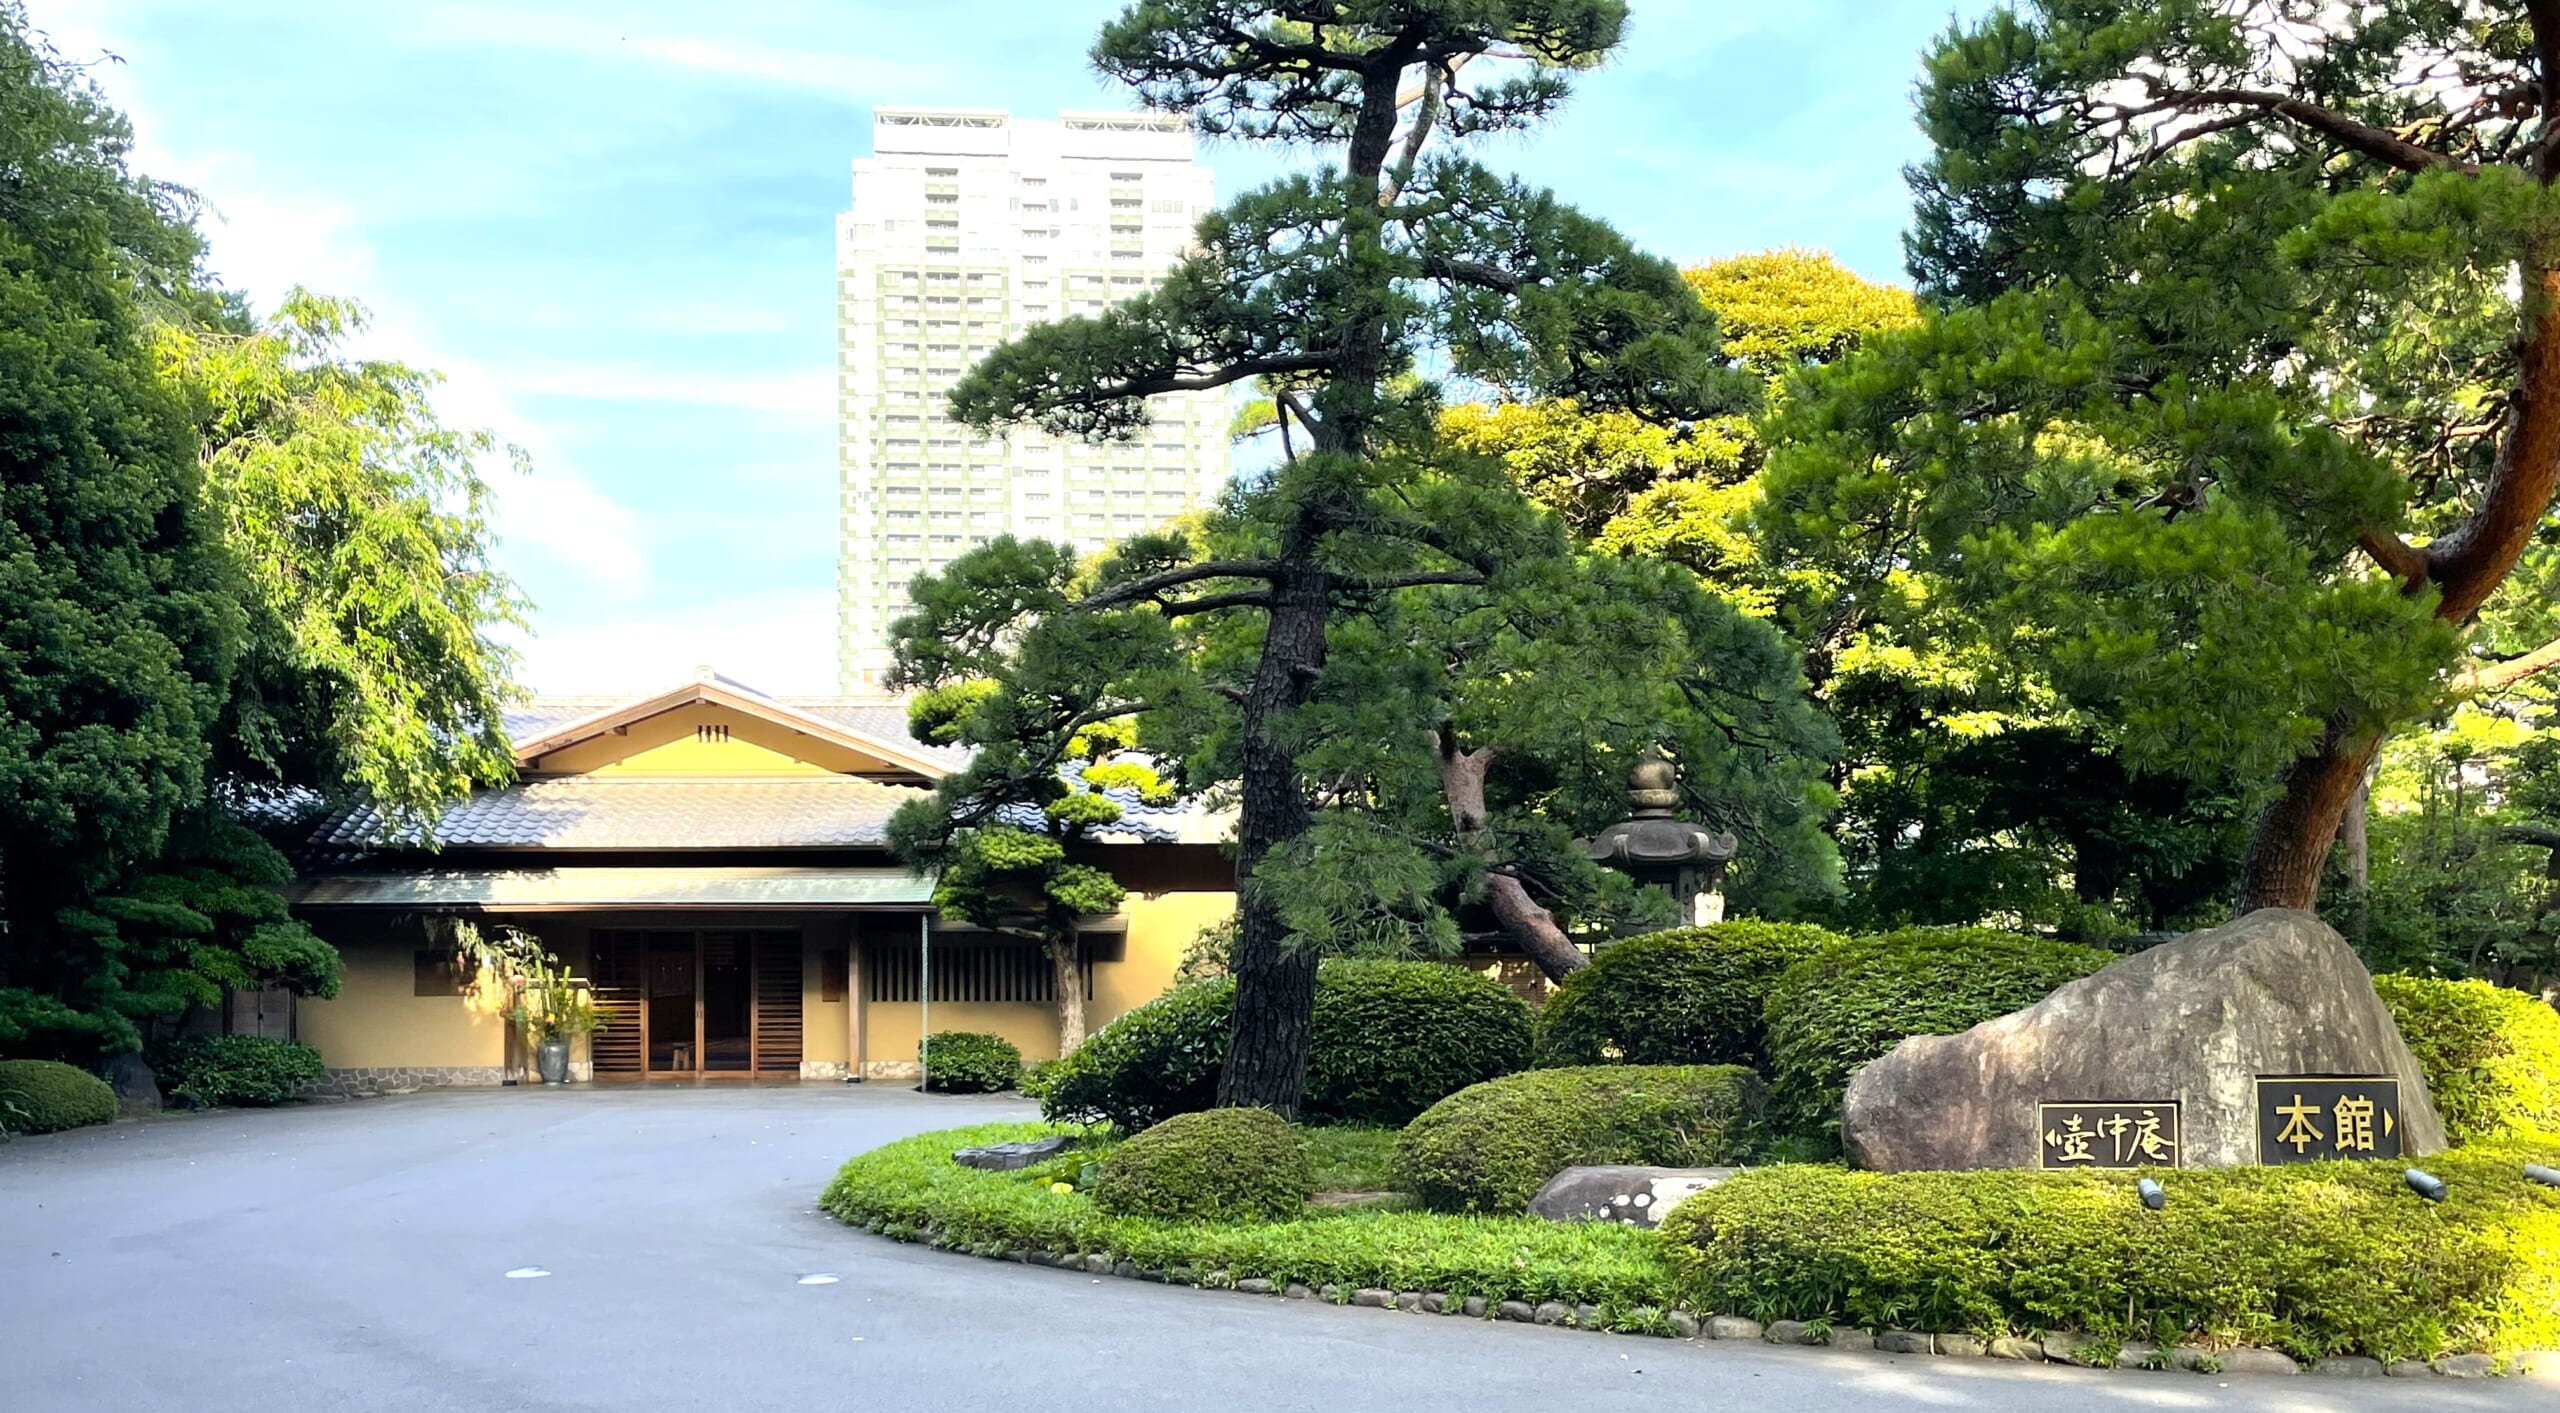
(2246, 400)
(1334, 283)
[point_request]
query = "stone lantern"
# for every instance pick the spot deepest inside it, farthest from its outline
(1658, 851)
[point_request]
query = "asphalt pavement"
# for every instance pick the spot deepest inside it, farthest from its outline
(378, 1255)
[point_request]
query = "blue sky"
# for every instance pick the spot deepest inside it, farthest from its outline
(610, 226)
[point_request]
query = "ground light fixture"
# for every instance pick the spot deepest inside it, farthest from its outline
(2425, 1184)
(2154, 1196)
(2548, 1177)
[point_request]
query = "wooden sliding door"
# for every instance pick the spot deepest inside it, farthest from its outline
(690, 1002)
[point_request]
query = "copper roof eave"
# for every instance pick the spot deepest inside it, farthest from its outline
(562, 889)
(712, 693)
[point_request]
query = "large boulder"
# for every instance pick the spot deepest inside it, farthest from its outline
(137, 1088)
(2196, 1020)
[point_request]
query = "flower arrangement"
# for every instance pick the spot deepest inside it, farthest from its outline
(514, 977)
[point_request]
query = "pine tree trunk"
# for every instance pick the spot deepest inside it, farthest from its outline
(2290, 844)
(1067, 966)
(1523, 919)
(1274, 1017)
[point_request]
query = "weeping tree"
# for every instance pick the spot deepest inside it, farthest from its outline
(2240, 410)
(1352, 292)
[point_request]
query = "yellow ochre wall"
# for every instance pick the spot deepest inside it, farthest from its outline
(667, 744)
(377, 1019)
(1161, 927)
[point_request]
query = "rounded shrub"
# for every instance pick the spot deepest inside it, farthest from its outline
(1390, 1039)
(1690, 996)
(47, 1096)
(1830, 1014)
(969, 1062)
(1215, 1165)
(1491, 1146)
(1394, 1038)
(254, 1071)
(2491, 1054)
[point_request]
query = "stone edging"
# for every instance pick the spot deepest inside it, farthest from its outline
(2058, 1348)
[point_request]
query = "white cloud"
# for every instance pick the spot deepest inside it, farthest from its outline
(779, 642)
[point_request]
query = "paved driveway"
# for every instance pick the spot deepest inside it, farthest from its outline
(355, 1257)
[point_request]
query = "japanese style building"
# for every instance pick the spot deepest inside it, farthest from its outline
(714, 859)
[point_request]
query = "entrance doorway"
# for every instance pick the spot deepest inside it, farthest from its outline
(695, 1002)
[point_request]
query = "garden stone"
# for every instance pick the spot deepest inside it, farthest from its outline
(2410, 1369)
(1432, 1303)
(1735, 1327)
(2348, 1366)
(1684, 1325)
(1788, 1332)
(1126, 1270)
(2196, 1020)
(1960, 1346)
(1475, 1306)
(2466, 1366)
(2191, 1357)
(1515, 1310)
(1413, 1300)
(1098, 1265)
(1551, 1312)
(137, 1088)
(1860, 1341)
(1011, 1157)
(1296, 1291)
(1586, 1317)
(1625, 1193)
(1905, 1342)
(1373, 1299)
(1253, 1285)
(2137, 1355)
(2258, 1361)
(2063, 1347)
(2010, 1347)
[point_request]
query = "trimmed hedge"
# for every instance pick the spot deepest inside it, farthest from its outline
(2491, 1054)
(1216, 1165)
(1390, 1039)
(969, 1062)
(2318, 1259)
(1490, 1147)
(48, 1096)
(253, 1071)
(1690, 996)
(910, 1190)
(1830, 1014)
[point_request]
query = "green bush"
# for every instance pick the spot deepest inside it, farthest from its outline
(1394, 1038)
(208, 1071)
(1490, 1147)
(969, 1062)
(48, 1096)
(1830, 1014)
(1390, 1039)
(2316, 1259)
(1691, 996)
(911, 1190)
(2491, 1054)
(1218, 1165)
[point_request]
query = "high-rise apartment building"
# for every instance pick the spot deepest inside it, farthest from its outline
(968, 226)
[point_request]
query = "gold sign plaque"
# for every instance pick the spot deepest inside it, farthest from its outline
(2310, 1118)
(2111, 1134)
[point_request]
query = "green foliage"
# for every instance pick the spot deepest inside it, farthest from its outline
(969, 1062)
(2491, 1055)
(47, 1096)
(1390, 1039)
(1218, 1165)
(211, 1071)
(2319, 1259)
(1350, 1157)
(1394, 1038)
(911, 1190)
(1491, 1146)
(1692, 996)
(1833, 1013)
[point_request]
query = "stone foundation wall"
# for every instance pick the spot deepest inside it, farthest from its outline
(907, 1070)
(367, 1082)
(822, 1069)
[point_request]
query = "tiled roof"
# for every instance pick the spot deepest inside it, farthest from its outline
(604, 812)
